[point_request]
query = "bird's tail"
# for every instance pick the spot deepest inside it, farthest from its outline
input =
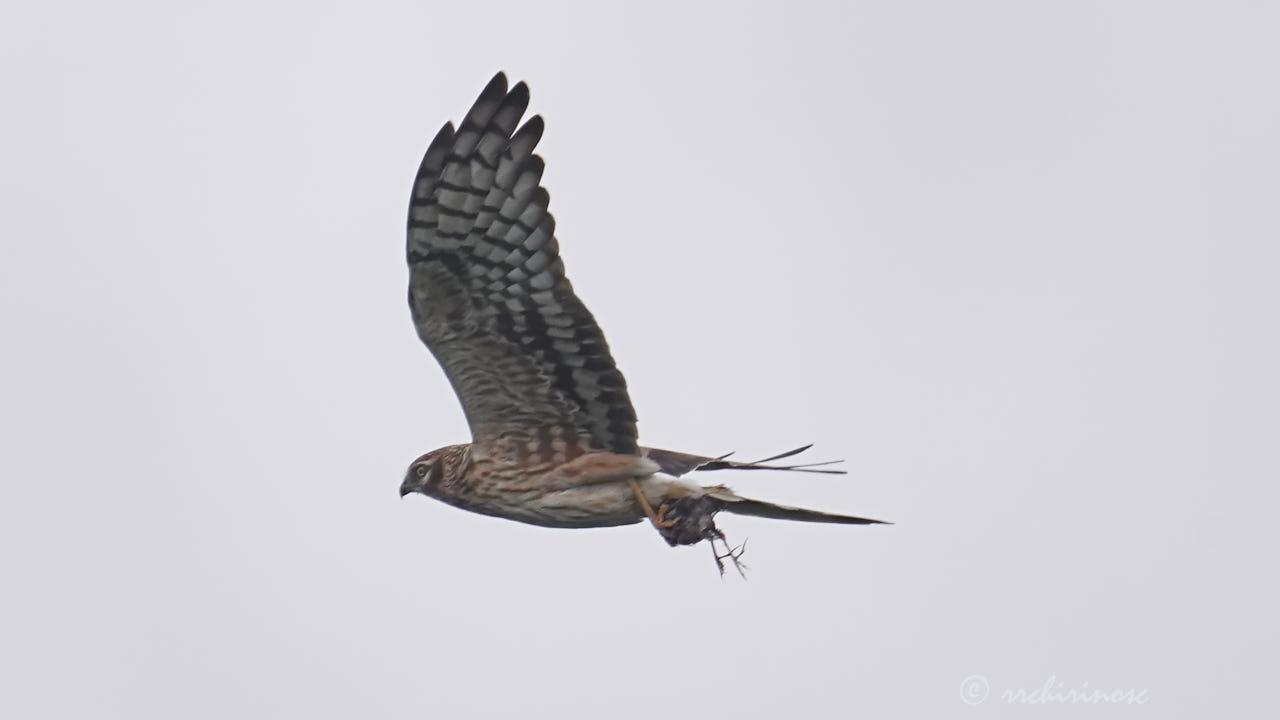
(730, 501)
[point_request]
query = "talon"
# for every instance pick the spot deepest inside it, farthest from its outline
(658, 519)
(662, 521)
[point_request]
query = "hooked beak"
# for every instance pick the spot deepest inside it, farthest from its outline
(405, 488)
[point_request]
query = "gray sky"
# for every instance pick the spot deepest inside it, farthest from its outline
(1017, 263)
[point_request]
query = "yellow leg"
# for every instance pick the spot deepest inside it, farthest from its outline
(658, 519)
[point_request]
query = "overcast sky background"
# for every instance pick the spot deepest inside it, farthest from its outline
(1017, 263)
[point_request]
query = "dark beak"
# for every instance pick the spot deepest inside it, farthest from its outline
(405, 488)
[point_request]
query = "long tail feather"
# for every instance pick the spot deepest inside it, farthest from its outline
(731, 502)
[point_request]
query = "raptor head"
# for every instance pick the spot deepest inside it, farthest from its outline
(423, 474)
(436, 472)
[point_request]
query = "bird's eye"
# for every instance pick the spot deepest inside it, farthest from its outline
(421, 471)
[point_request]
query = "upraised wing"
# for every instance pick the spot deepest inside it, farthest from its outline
(488, 291)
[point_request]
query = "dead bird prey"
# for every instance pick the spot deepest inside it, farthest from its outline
(553, 430)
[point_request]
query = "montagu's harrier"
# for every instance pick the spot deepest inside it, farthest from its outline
(553, 434)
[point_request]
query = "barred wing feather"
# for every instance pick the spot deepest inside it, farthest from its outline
(488, 291)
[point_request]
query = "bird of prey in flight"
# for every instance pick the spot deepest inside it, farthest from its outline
(553, 433)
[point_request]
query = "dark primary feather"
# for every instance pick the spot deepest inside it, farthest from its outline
(488, 290)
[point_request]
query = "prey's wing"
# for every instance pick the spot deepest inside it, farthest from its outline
(489, 294)
(678, 463)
